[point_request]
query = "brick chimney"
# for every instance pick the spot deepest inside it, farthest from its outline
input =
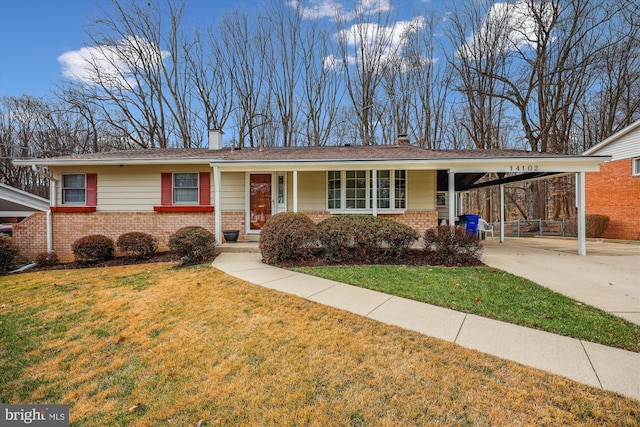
(403, 139)
(215, 139)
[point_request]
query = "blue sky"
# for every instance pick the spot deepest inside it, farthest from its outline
(34, 33)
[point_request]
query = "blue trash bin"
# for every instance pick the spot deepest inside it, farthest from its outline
(471, 222)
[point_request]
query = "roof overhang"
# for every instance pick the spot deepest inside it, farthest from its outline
(15, 202)
(497, 164)
(517, 165)
(612, 138)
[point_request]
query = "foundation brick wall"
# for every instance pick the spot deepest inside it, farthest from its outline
(419, 220)
(31, 235)
(68, 227)
(234, 221)
(614, 192)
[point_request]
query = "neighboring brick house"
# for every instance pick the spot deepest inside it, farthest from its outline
(615, 190)
(157, 191)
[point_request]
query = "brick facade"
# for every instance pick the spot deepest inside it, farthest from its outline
(31, 234)
(615, 192)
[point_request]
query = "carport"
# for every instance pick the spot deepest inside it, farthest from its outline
(465, 174)
(20, 204)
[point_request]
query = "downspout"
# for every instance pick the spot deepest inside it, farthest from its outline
(52, 202)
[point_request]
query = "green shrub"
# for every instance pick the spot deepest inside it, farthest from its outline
(47, 259)
(93, 248)
(9, 251)
(140, 245)
(288, 236)
(452, 246)
(364, 238)
(192, 243)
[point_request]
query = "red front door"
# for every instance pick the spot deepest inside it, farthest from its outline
(259, 200)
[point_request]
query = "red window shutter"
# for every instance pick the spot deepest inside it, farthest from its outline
(166, 193)
(205, 188)
(92, 189)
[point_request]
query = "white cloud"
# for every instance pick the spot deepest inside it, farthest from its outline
(110, 66)
(386, 42)
(510, 23)
(334, 9)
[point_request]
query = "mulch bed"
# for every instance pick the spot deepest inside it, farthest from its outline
(414, 257)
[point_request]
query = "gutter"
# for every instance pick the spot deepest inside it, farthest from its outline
(52, 202)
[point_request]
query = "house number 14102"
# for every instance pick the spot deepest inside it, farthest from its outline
(523, 168)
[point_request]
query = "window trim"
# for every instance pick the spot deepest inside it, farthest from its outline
(84, 189)
(174, 188)
(369, 192)
(90, 192)
(635, 166)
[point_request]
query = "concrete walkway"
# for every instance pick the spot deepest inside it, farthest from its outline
(592, 364)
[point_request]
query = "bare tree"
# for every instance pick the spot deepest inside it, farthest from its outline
(476, 60)
(243, 47)
(365, 48)
(136, 71)
(319, 102)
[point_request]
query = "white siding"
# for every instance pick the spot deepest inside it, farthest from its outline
(421, 190)
(232, 192)
(312, 191)
(623, 147)
(127, 188)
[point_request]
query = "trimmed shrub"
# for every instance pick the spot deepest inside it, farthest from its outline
(364, 238)
(192, 243)
(595, 225)
(9, 251)
(288, 236)
(140, 245)
(93, 248)
(47, 259)
(452, 246)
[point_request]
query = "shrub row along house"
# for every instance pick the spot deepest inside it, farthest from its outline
(157, 191)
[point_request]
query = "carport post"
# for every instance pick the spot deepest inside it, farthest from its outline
(580, 201)
(217, 215)
(452, 199)
(295, 191)
(501, 213)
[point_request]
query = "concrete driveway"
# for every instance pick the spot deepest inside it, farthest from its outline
(607, 278)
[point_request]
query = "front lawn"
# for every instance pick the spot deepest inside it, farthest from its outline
(150, 345)
(490, 293)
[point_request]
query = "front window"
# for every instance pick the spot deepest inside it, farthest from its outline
(73, 189)
(334, 187)
(353, 190)
(185, 188)
(356, 189)
(636, 166)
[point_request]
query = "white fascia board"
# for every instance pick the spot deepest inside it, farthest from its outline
(503, 164)
(23, 198)
(112, 162)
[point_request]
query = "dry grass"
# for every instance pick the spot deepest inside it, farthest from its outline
(151, 345)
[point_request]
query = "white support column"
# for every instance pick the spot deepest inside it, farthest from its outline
(374, 180)
(53, 190)
(295, 191)
(581, 205)
(217, 205)
(501, 213)
(452, 199)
